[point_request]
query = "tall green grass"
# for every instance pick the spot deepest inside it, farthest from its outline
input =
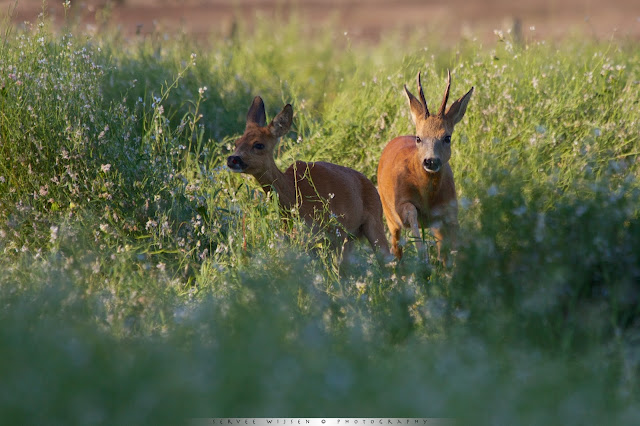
(141, 282)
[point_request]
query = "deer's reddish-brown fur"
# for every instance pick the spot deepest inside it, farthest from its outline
(309, 187)
(415, 179)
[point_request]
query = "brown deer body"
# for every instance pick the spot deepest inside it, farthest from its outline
(309, 187)
(415, 179)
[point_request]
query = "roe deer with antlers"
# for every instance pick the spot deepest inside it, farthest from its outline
(309, 187)
(414, 177)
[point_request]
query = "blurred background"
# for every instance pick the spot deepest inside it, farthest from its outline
(143, 283)
(361, 19)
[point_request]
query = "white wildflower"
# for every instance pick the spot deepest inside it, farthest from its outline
(54, 234)
(519, 211)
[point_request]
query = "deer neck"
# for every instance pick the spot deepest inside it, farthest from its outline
(274, 179)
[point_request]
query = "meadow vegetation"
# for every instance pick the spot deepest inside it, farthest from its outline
(143, 283)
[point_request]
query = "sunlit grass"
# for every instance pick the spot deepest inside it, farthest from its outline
(146, 284)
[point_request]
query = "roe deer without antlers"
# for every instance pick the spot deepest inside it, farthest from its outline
(309, 187)
(414, 177)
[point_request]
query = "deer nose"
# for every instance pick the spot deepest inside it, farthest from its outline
(234, 162)
(432, 164)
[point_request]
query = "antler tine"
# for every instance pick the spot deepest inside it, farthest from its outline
(443, 107)
(422, 99)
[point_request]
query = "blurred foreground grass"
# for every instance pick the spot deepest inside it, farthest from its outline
(141, 283)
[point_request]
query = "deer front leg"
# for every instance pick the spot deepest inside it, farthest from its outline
(409, 215)
(447, 239)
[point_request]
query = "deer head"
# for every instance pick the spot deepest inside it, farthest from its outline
(433, 132)
(254, 149)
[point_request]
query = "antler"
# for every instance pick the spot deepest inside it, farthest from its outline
(424, 102)
(446, 96)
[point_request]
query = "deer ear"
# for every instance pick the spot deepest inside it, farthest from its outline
(256, 114)
(417, 109)
(282, 122)
(458, 108)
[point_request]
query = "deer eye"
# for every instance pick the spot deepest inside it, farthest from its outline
(418, 140)
(258, 146)
(447, 139)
